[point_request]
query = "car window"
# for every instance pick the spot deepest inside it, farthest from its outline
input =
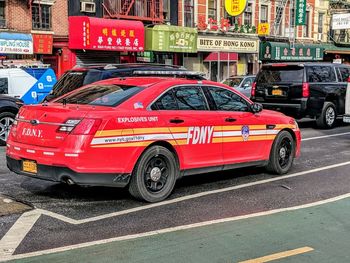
(101, 95)
(248, 81)
(68, 82)
(3, 86)
(344, 73)
(283, 74)
(233, 82)
(226, 100)
(190, 98)
(320, 74)
(166, 102)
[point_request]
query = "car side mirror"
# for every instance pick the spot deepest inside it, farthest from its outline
(256, 107)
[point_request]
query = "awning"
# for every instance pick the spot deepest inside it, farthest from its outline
(332, 49)
(105, 34)
(224, 56)
(278, 51)
(16, 43)
(166, 38)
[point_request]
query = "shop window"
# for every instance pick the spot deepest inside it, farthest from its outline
(41, 16)
(212, 9)
(306, 27)
(248, 15)
(189, 13)
(264, 11)
(2, 14)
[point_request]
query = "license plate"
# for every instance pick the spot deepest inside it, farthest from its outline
(277, 92)
(29, 166)
(346, 119)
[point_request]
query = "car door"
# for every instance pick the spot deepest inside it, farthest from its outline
(246, 86)
(195, 129)
(243, 132)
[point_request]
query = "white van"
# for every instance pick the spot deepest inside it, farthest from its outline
(28, 84)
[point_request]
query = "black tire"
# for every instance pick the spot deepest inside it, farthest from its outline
(328, 116)
(6, 120)
(154, 175)
(282, 153)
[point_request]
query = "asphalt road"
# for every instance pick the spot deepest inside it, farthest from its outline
(65, 215)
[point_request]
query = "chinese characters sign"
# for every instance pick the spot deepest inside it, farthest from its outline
(235, 7)
(263, 29)
(273, 51)
(105, 34)
(300, 12)
(42, 43)
(16, 43)
(171, 39)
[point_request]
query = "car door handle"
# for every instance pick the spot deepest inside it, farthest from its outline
(230, 119)
(176, 121)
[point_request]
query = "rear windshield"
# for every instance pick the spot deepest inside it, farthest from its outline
(280, 75)
(233, 82)
(101, 95)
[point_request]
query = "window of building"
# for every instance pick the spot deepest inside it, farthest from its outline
(306, 27)
(320, 22)
(189, 13)
(212, 9)
(248, 15)
(264, 13)
(2, 14)
(292, 18)
(41, 17)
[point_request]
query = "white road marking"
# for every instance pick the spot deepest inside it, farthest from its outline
(171, 229)
(325, 136)
(7, 201)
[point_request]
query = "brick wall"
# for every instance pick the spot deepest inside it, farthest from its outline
(60, 18)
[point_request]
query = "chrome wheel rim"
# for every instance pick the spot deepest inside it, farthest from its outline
(330, 116)
(5, 126)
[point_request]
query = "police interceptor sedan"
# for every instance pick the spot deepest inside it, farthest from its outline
(145, 133)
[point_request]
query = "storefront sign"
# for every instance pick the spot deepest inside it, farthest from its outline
(275, 51)
(229, 44)
(300, 12)
(105, 34)
(171, 39)
(146, 56)
(235, 7)
(341, 21)
(42, 43)
(16, 43)
(263, 29)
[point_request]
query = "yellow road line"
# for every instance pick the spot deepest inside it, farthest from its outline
(279, 255)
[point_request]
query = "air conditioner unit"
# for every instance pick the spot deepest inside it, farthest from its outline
(319, 36)
(88, 7)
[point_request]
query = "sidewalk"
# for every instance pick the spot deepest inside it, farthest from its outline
(324, 229)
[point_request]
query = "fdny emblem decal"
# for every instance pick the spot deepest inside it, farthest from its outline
(32, 132)
(245, 133)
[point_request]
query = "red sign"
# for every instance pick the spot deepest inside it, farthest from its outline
(105, 34)
(42, 43)
(213, 24)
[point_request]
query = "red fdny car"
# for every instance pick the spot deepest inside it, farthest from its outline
(145, 133)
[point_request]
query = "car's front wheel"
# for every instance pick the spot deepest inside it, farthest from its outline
(282, 153)
(6, 120)
(154, 175)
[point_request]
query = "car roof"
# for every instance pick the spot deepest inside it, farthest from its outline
(305, 64)
(125, 66)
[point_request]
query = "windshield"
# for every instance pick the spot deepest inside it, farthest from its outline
(101, 95)
(233, 82)
(68, 82)
(280, 75)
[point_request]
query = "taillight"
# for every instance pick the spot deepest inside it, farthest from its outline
(253, 89)
(306, 90)
(69, 125)
(87, 127)
(349, 79)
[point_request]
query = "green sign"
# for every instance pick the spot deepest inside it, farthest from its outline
(300, 12)
(171, 39)
(275, 51)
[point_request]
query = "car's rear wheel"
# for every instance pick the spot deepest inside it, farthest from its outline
(154, 175)
(328, 116)
(282, 153)
(6, 120)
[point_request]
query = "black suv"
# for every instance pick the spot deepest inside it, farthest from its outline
(83, 75)
(311, 89)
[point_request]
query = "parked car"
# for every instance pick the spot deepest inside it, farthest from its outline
(9, 107)
(29, 84)
(312, 89)
(145, 133)
(346, 117)
(84, 75)
(241, 83)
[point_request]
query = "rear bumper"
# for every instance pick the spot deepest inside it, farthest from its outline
(62, 174)
(296, 110)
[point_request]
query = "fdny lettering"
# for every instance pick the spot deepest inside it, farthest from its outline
(32, 132)
(200, 135)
